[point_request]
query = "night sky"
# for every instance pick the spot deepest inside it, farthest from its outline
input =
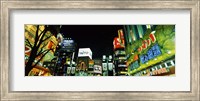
(99, 38)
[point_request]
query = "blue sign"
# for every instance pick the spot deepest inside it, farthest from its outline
(151, 53)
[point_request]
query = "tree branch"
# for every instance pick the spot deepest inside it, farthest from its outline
(41, 58)
(46, 38)
(44, 45)
(29, 44)
(39, 53)
(42, 36)
(43, 32)
(36, 36)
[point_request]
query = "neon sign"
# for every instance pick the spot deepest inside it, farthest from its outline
(121, 37)
(151, 53)
(146, 43)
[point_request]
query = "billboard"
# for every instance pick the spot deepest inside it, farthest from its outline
(68, 45)
(67, 42)
(85, 52)
(117, 43)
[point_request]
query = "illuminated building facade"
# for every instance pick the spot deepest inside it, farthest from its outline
(150, 49)
(84, 57)
(30, 34)
(120, 54)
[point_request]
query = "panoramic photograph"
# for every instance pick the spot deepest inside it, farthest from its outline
(99, 50)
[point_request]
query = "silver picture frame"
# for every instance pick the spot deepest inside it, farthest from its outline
(8, 5)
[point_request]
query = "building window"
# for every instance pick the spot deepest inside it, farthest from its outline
(169, 64)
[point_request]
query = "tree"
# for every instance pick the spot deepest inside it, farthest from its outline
(40, 41)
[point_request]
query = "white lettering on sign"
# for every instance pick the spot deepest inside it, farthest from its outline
(68, 41)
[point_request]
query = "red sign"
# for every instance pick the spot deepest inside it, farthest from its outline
(147, 42)
(116, 43)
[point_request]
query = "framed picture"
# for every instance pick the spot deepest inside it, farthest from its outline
(153, 56)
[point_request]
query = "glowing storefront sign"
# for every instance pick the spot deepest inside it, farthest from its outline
(151, 53)
(147, 42)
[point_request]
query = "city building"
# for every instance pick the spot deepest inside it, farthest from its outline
(65, 65)
(84, 56)
(120, 54)
(150, 49)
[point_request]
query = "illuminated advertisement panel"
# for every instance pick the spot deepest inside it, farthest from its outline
(67, 42)
(68, 45)
(117, 44)
(121, 37)
(153, 52)
(85, 52)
